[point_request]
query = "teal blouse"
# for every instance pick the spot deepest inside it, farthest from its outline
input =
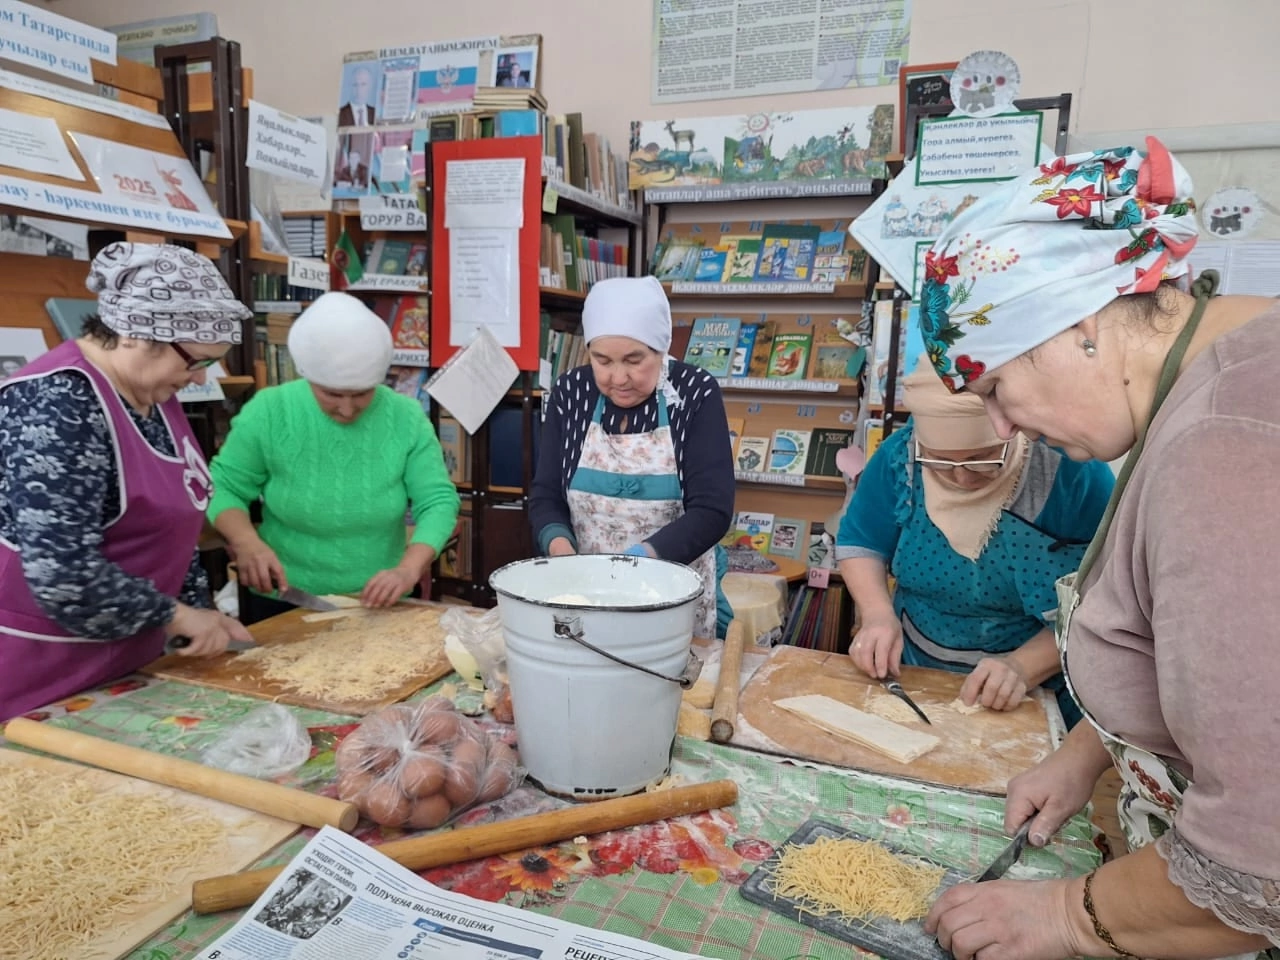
(956, 611)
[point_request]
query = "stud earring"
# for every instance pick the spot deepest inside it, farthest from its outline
(1090, 348)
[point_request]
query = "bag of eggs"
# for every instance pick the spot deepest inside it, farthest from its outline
(418, 765)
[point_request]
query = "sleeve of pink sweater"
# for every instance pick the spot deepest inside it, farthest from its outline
(1213, 556)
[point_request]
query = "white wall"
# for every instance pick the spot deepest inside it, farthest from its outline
(1131, 64)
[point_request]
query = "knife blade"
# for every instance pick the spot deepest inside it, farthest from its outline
(308, 601)
(894, 687)
(1008, 857)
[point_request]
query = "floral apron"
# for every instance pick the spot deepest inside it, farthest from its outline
(627, 488)
(1151, 790)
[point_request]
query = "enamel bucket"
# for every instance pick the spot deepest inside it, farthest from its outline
(598, 656)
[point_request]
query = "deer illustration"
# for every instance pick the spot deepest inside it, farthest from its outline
(680, 136)
(811, 168)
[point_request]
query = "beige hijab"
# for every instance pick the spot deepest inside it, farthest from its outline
(943, 421)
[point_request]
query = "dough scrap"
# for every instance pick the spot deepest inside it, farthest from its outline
(962, 708)
(875, 733)
(693, 723)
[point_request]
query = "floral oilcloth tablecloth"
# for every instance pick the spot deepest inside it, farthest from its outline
(673, 883)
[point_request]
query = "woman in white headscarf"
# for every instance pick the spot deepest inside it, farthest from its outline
(337, 458)
(635, 454)
(975, 528)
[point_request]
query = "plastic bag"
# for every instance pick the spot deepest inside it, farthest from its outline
(480, 635)
(419, 765)
(268, 742)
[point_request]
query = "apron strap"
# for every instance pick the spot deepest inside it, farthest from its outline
(1204, 288)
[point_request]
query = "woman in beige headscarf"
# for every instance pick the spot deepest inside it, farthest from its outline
(975, 530)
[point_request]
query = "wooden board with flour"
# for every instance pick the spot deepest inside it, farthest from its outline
(979, 750)
(354, 661)
(105, 851)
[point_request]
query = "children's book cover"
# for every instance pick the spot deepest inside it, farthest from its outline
(411, 333)
(766, 331)
(789, 451)
(789, 358)
(752, 454)
(712, 344)
(742, 352)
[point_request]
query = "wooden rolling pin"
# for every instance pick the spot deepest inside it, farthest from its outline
(472, 843)
(269, 798)
(724, 712)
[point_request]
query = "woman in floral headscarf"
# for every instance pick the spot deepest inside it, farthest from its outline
(1061, 299)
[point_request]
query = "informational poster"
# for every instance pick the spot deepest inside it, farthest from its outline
(18, 347)
(35, 144)
(970, 150)
(286, 146)
(137, 187)
(75, 98)
(48, 41)
(721, 49)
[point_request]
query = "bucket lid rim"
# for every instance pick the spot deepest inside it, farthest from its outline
(647, 606)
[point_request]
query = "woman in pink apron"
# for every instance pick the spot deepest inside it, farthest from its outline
(1062, 299)
(102, 485)
(635, 454)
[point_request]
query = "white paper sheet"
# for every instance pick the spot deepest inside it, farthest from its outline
(474, 381)
(484, 285)
(484, 193)
(211, 389)
(35, 144)
(287, 146)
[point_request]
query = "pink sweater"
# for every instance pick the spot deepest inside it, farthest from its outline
(1176, 644)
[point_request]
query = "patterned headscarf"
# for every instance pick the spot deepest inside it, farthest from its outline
(164, 293)
(1047, 250)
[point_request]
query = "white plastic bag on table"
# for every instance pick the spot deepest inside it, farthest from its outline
(481, 637)
(268, 742)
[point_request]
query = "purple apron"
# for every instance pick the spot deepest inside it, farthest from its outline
(153, 535)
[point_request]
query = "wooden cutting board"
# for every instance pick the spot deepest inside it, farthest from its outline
(226, 672)
(250, 836)
(979, 752)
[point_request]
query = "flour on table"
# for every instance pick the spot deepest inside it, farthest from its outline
(891, 708)
(962, 708)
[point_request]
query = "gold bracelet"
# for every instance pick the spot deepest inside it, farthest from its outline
(1102, 932)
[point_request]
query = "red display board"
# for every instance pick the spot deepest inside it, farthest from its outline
(530, 149)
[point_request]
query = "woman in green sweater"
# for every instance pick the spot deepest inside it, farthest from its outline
(337, 459)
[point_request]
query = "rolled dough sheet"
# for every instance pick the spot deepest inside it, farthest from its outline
(876, 733)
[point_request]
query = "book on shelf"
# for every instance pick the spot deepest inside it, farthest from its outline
(824, 444)
(69, 314)
(753, 454)
(835, 357)
(712, 344)
(744, 252)
(455, 446)
(571, 260)
(789, 451)
(789, 538)
(410, 331)
(742, 352)
(411, 382)
(789, 357)
(735, 431)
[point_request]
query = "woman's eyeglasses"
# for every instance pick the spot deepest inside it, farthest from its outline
(193, 363)
(973, 466)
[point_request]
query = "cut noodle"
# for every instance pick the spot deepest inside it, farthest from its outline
(360, 658)
(77, 861)
(855, 880)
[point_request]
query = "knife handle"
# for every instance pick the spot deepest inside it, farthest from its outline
(177, 643)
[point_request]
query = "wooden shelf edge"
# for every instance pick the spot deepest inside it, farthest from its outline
(131, 75)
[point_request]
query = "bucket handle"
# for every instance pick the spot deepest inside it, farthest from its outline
(571, 629)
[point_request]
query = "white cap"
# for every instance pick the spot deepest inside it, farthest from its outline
(634, 307)
(339, 343)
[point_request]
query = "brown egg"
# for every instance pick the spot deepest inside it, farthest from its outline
(462, 780)
(440, 727)
(352, 784)
(499, 752)
(498, 780)
(421, 774)
(382, 759)
(385, 804)
(428, 813)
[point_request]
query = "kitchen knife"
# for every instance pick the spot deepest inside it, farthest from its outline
(1008, 857)
(894, 687)
(308, 601)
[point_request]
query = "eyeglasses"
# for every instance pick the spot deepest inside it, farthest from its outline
(193, 363)
(973, 466)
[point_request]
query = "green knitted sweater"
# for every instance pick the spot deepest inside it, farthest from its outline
(335, 495)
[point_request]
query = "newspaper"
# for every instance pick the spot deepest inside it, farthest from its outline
(341, 898)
